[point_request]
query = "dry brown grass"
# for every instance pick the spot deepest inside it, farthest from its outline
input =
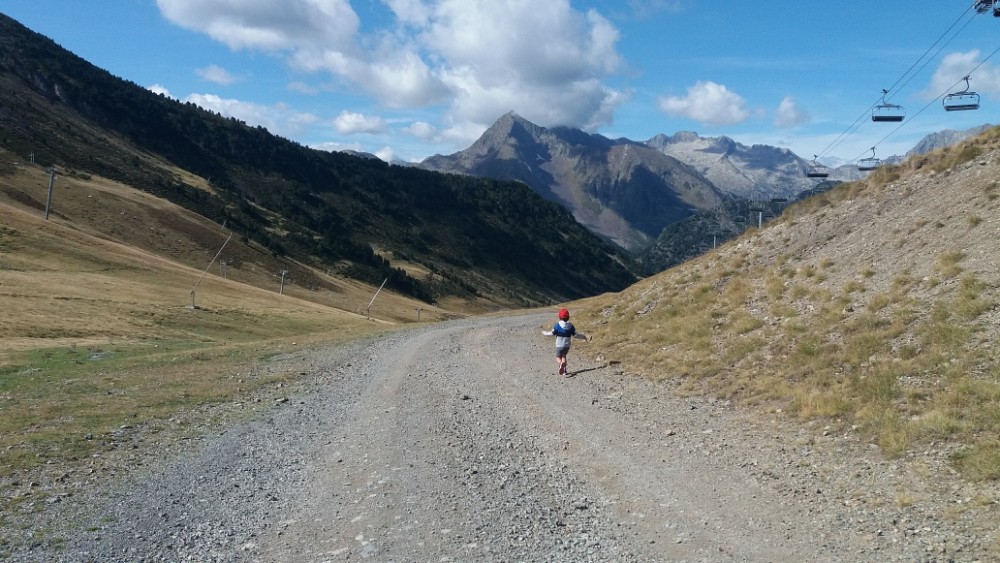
(831, 313)
(98, 331)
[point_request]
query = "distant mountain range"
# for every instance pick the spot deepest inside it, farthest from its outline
(754, 172)
(623, 190)
(629, 191)
(639, 194)
(945, 138)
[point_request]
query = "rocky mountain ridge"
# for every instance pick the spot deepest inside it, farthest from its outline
(946, 138)
(754, 172)
(630, 191)
(625, 191)
(616, 187)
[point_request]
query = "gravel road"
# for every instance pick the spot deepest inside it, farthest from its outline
(458, 442)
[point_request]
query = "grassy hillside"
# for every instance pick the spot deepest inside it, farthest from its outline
(98, 331)
(474, 239)
(872, 307)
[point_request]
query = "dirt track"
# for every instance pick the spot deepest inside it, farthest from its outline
(457, 442)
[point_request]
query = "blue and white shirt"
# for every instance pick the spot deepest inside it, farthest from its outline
(564, 331)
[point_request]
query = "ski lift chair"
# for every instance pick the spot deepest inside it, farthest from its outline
(886, 112)
(870, 163)
(817, 170)
(983, 6)
(961, 101)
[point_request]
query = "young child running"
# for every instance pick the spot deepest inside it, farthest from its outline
(565, 332)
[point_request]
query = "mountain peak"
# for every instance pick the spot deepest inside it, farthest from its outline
(661, 141)
(623, 190)
(510, 136)
(684, 137)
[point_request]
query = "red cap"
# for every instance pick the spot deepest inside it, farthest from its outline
(563, 314)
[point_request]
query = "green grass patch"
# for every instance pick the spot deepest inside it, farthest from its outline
(60, 404)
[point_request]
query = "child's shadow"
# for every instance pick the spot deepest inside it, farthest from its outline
(578, 372)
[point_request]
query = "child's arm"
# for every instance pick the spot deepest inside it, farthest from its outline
(581, 336)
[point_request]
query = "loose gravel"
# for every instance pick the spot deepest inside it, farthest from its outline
(458, 442)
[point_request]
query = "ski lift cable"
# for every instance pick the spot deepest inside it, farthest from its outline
(902, 124)
(863, 155)
(932, 102)
(849, 131)
(857, 125)
(936, 53)
(864, 115)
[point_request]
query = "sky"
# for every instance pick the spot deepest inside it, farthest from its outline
(407, 79)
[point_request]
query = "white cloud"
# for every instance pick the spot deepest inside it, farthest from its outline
(460, 134)
(546, 60)
(421, 130)
(947, 77)
(333, 146)
(160, 89)
(789, 115)
(350, 123)
(396, 77)
(412, 12)
(707, 102)
(216, 74)
(278, 119)
(267, 25)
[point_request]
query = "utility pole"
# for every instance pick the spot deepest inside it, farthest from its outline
(52, 182)
(281, 288)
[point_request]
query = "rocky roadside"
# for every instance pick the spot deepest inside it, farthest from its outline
(457, 442)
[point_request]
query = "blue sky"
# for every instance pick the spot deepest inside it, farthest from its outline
(406, 79)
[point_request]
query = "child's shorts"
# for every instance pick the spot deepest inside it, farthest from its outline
(561, 352)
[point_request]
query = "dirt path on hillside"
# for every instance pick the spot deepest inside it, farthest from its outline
(457, 442)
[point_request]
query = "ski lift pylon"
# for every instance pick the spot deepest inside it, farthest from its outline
(887, 112)
(870, 163)
(961, 101)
